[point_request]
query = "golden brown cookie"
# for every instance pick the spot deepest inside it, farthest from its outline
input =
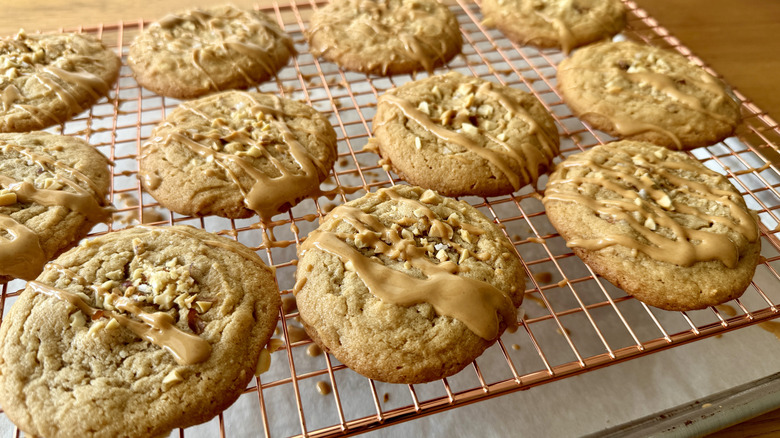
(639, 92)
(656, 223)
(200, 51)
(52, 192)
(385, 37)
(461, 135)
(236, 153)
(407, 286)
(136, 333)
(48, 79)
(564, 24)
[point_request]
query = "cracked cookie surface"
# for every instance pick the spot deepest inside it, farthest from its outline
(199, 51)
(656, 223)
(461, 135)
(645, 93)
(385, 37)
(53, 190)
(47, 79)
(135, 333)
(407, 286)
(237, 153)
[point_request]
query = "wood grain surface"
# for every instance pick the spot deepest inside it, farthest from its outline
(738, 39)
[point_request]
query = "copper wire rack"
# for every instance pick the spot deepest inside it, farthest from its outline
(574, 321)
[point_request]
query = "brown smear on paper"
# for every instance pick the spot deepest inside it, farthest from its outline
(543, 277)
(772, 327)
(313, 350)
(728, 310)
(296, 334)
(536, 300)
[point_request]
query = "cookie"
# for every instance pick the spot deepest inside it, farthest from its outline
(461, 135)
(52, 192)
(236, 153)
(136, 333)
(656, 223)
(639, 92)
(200, 51)
(406, 286)
(47, 79)
(385, 37)
(555, 23)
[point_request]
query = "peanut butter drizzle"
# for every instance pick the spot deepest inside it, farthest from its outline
(528, 157)
(62, 93)
(453, 137)
(332, 193)
(565, 35)
(253, 51)
(34, 112)
(772, 327)
(766, 166)
(626, 127)
(679, 250)
(45, 160)
(414, 48)
(85, 80)
(728, 310)
(268, 194)
(532, 157)
(195, 61)
(475, 303)
(152, 181)
(91, 83)
(666, 85)
(323, 388)
(83, 203)
(90, 205)
(157, 328)
(21, 256)
(269, 240)
(205, 20)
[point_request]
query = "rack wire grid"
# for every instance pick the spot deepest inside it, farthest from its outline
(574, 321)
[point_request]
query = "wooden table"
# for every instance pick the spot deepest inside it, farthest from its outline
(740, 40)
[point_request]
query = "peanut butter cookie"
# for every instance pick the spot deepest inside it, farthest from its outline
(656, 223)
(200, 51)
(52, 192)
(555, 23)
(385, 37)
(48, 79)
(406, 286)
(460, 135)
(136, 333)
(639, 92)
(236, 153)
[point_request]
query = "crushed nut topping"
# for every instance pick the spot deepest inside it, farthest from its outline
(7, 197)
(171, 379)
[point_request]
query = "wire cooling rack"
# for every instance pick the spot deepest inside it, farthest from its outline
(574, 321)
